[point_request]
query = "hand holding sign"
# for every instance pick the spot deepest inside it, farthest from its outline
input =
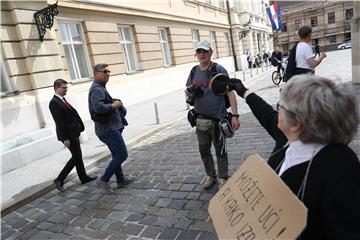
(255, 204)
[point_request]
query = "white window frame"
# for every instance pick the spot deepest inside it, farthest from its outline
(5, 79)
(226, 43)
(195, 37)
(222, 4)
(128, 55)
(165, 47)
(73, 57)
(212, 35)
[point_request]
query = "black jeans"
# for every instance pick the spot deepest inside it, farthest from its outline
(74, 161)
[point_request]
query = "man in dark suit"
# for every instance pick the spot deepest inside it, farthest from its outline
(68, 128)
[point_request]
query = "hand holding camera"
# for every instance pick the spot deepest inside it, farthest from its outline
(116, 104)
(192, 92)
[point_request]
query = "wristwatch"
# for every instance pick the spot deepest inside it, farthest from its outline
(235, 115)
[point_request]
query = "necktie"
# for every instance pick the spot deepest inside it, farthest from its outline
(66, 103)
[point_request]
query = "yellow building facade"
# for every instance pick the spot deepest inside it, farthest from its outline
(149, 46)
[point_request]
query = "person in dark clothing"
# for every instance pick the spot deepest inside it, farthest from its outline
(311, 153)
(108, 115)
(68, 128)
(276, 59)
(266, 58)
(317, 50)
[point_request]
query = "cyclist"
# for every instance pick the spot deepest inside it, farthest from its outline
(276, 60)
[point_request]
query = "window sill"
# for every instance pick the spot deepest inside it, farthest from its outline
(134, 72)
(9, 94)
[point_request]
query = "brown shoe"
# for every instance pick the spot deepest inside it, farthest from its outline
(209, 182)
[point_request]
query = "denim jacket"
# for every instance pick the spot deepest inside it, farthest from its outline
(100, 103)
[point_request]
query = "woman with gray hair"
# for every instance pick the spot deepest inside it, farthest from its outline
(312, 127)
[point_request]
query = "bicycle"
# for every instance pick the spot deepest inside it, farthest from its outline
(275, 75)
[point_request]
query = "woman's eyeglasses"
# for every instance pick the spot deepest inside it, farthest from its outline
(278, 106)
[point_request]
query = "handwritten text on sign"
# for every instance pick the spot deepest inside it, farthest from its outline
(256, 204)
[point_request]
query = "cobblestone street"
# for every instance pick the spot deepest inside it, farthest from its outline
(164, 202)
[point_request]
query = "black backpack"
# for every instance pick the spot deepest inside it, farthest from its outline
(212, 74)
(291, 65)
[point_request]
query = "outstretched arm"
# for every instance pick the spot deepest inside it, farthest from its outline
(263, 111)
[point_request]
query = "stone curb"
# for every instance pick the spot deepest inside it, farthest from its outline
(45, 187)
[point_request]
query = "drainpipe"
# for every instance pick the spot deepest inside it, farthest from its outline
(355, 42)
(231, 36)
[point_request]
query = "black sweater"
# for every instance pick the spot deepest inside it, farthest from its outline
(332, 192)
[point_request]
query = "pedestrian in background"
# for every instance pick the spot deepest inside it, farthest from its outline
(107, 113)
(266, 58)
(68, 128)
(249, 58)
(311, 153)
(210, 109)
(317, 50)
(305, 59)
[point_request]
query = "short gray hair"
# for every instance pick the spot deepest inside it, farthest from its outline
(100, 66)
(327, 112)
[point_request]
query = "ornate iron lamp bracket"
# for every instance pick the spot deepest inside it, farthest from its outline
(44, 18)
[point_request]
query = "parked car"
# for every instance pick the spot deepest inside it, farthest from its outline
(345, 45)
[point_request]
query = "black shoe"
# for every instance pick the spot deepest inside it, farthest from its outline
(88, 179)
(59, 185)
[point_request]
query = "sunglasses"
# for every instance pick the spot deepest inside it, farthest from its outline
(105, 71)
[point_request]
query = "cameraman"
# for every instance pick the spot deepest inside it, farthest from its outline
(210, 109)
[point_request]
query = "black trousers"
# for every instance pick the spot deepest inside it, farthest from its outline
(74, 161)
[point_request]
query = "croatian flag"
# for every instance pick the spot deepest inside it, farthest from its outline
(274, 13)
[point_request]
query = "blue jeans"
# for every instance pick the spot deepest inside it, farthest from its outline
(117, 147)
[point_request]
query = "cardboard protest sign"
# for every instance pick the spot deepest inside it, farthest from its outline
(256, 204)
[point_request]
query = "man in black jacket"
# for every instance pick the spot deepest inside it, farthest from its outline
(68, 128)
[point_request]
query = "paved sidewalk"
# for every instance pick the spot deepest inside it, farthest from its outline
(164, 202)
(26, 183)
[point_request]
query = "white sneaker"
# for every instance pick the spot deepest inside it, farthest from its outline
(222, 181)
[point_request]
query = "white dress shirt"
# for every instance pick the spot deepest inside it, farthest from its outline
(61, 97)
(299, 152)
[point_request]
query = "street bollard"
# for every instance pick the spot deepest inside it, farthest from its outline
(243, 74)
(262, 67)
(156, 113)
(250, 72)
(257, 70)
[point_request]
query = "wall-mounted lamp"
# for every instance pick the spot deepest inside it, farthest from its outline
(44, 18)
(243, 34)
